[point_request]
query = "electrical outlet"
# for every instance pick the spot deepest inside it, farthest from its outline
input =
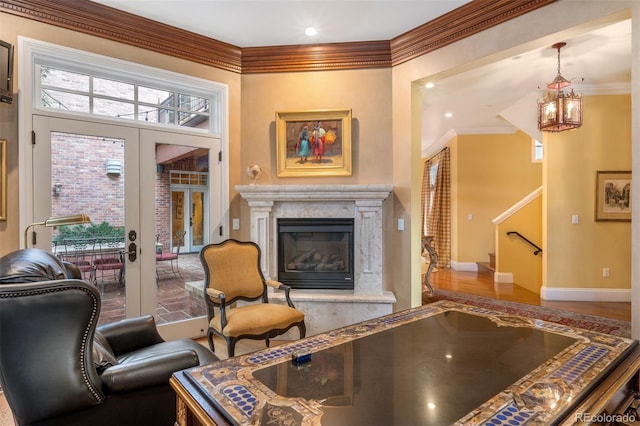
(235, 223)
(605, 272)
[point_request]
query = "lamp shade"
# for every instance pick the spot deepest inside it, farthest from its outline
(75, 219)
(558, 111)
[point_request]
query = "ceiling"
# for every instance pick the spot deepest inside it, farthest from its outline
(252, 23)
(490, 98)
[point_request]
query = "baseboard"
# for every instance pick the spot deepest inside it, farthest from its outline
(503, 277)
(464, 266)
(586, 294)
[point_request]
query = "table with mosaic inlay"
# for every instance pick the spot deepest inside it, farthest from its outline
(441, 363)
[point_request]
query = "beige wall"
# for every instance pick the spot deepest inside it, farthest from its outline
(493, 173)
(11, 27)
(576, 254)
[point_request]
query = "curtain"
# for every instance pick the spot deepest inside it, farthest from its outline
(427, 198)
(436, 206)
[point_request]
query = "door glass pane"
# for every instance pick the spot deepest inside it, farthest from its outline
(197, 224)
(179, 200)
(92, 185)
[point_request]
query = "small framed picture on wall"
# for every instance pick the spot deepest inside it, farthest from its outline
(613, 196)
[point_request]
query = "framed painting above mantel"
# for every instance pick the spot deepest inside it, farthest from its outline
(313, 143)
(613, 196)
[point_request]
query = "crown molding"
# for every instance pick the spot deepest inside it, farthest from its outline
(112, 24)
(105, 22)
(316, 57)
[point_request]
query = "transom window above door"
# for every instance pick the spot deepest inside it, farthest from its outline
(79, 92)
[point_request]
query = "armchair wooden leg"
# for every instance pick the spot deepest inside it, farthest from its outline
(210, 340)
(303, 330)
(231, 347)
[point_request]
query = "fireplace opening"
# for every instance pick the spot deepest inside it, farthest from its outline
(316, 253)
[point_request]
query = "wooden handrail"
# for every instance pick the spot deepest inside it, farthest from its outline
(537, 250)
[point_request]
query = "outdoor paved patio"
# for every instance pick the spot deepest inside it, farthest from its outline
(176, 300)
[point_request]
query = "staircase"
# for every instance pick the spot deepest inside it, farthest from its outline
(487, 268)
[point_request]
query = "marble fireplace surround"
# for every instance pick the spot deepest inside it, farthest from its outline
(326, 309)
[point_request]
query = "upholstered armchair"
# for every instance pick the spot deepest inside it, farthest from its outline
(56, 367)
(232, 274)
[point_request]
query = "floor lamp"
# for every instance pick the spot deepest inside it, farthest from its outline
(75, 219)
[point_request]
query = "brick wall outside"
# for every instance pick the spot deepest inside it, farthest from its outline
(79, 166)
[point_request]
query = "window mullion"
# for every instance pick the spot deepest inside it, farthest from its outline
(90, 94)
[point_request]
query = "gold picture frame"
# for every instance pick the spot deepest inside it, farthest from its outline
(613, 196)
(3, 179)
(314, 143)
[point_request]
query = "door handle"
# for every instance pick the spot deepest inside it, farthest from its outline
(132, 252)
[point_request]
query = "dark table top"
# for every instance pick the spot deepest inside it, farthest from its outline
(438, 364)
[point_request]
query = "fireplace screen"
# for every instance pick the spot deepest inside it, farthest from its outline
(316, 253)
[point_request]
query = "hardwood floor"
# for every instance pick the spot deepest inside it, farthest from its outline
(481, 284)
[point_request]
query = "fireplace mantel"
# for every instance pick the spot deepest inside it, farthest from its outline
(314, 192)
(364, 204)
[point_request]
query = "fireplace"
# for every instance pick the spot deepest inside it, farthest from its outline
(362, 205)
(316, 253)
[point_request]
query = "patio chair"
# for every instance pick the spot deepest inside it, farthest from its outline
(170, 256)
(109, 260)
(80, 252)
(232, 273)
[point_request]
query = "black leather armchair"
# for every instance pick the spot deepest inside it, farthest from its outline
(57, 368)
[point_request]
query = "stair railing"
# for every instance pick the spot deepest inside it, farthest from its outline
(537, 250)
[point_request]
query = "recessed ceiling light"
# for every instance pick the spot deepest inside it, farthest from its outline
(448, 114)
(310, 31)
(430, 85)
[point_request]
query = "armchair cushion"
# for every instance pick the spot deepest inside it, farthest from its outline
(130, 334)
(144, 369)
(154, 365)
(257, 319)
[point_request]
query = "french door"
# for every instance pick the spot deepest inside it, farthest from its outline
(120, 177)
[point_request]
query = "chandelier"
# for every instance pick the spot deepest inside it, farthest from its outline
(559, 111)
